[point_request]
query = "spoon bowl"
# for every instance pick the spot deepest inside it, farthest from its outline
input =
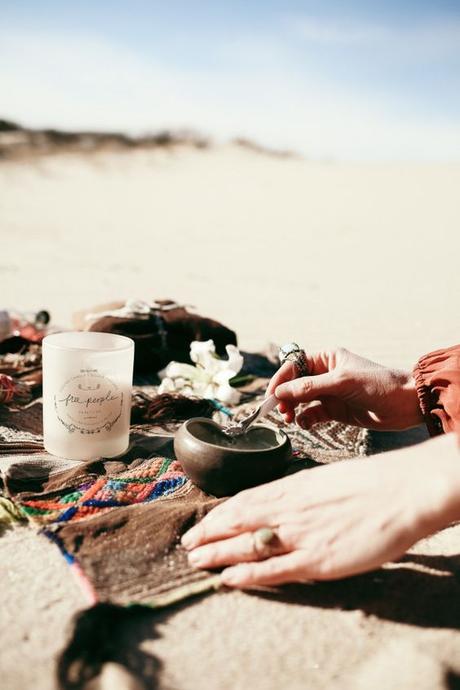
(222, 465)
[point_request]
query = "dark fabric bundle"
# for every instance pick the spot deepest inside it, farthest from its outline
(20, 371)
(22, 359)
(167, 408)
(165, 335)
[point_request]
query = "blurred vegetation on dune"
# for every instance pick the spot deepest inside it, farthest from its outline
(18, 142)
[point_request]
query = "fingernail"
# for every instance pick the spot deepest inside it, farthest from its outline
(195, 558)
(188, 539)
(279, 390)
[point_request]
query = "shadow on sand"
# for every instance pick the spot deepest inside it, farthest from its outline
(403, 593)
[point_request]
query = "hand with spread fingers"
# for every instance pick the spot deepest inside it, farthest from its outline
(348, 388)
(332, 521)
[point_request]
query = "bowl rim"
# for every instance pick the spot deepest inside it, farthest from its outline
(245, 451)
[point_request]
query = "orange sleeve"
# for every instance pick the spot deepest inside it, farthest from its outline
(437, 377)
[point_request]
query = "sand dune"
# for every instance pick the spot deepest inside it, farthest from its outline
(357, 254)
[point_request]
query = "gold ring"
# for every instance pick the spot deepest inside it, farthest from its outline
(261, 540)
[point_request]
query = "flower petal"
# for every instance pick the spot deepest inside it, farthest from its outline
(201, 351)
(200, 388)
(166, 386)
(235, 359)
(223, 377)
(227, 395)
(233, 364)
(180, 369)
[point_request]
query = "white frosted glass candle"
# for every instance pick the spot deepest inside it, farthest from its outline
(87, 383)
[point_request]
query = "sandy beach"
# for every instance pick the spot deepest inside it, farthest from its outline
(361, 255)
(278, 248)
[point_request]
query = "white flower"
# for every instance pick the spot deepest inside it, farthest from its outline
(209, 378)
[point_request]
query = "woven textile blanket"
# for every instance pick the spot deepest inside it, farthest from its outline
(118, 522)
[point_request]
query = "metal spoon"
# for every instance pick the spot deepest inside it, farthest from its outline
(241, 427)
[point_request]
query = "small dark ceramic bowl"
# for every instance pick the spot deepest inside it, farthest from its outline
(223, 470)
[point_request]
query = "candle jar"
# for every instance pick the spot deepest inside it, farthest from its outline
(87, 382)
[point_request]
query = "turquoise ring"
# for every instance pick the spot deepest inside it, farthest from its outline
(291, 352)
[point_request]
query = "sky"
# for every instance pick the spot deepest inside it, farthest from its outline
(330, 80)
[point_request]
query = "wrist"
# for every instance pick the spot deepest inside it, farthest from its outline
(410, 405)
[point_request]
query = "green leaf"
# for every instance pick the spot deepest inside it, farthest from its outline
(241, 380)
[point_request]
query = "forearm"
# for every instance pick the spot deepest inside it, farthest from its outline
(440, 471)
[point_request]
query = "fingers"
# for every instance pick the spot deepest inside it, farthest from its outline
(316, 413)
(309, 388)
(273, 571)
(247, 511)
(286, 372)
(238, 549)
(228, 523)
(288, 411)
(318, 363)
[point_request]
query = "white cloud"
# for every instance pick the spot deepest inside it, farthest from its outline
(333, 33)
(435, 39)
(87, 82)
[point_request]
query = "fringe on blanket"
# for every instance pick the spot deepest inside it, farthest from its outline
(10, 514)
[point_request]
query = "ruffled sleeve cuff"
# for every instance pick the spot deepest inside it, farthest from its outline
(437, 379)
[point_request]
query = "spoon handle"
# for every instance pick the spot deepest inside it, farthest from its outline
(241, 427)
(267, 406)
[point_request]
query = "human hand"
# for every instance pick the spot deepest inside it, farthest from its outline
(333, 521)
(347, 388)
